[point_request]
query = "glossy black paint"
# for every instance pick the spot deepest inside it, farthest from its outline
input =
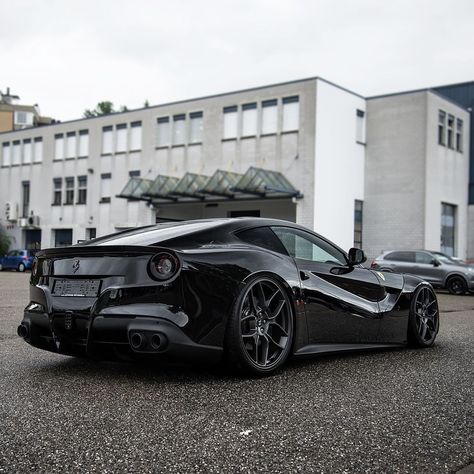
(336, 306)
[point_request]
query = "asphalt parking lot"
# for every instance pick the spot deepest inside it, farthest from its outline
(393, 411)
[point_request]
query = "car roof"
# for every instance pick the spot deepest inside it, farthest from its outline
(220, 229)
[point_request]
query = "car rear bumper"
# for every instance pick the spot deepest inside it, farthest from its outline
(111, 337)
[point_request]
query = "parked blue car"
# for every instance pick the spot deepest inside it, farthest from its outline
(19, 260)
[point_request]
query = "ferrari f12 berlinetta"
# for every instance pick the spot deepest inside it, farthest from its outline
(250, 291)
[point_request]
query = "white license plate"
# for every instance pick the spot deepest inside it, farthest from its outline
(85, 288)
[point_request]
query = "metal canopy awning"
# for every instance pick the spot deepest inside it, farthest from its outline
(161, 187)
(135, 188)
(221, 186)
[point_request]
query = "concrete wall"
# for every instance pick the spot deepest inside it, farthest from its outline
(339, 163)
(395, 170)
(446, 177)
(408, 175)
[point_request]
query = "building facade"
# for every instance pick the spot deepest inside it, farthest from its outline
(417, 174)
(308, 151)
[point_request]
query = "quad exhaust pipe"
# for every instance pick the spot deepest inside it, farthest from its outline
(23, 331)
(148, 343)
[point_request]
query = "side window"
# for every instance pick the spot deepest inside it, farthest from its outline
(401, 256)
(262, 237)
(422, 257)
(305, 246)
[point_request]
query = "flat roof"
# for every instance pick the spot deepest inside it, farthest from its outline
(212, 96)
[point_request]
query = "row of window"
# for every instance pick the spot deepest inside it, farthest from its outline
(24, 151)
(450, 131)
(267, 117)
(64, 190)
(179, 129)
(122, 138)
(71, 145)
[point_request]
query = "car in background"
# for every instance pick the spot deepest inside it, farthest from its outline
(19, 260)
(436, 268)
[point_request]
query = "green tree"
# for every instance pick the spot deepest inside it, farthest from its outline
(103, 108)
(4, 241)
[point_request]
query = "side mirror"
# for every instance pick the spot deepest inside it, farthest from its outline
(435, 263)
(356, 257)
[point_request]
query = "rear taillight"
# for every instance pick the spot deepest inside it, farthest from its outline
(163, 266)
(374, 264)
(27, 258)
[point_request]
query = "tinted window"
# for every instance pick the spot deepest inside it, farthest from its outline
(423, 257)
(305, 246)
(401, 256)
(155, 234)
(262, 237)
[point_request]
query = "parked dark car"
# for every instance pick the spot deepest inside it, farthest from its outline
(438, 269)
(249, 291)
(19, 260)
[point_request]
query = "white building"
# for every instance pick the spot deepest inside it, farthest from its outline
(73, 180)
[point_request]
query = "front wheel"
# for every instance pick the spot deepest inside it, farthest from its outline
(456, 285)
(260, 332)
(423, 324)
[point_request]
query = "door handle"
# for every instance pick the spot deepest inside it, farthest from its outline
(304, 275)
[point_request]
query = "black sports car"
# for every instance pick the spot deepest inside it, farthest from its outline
(248, 290)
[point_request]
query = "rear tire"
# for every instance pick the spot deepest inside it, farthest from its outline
(260, 330)
(423, 323)
(456, 285)
(1, 267)
(21, 267)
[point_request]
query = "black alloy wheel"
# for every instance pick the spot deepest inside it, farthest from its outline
(261, 328)
(456, 285)
(424, 317)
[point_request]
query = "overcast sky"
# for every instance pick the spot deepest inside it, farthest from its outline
(68, 55)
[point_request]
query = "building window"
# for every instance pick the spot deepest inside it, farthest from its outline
(179, 128)
(27, 151)
(163, 131)
(195, 127)
(358, 209)
(69, 191)
(450, 131)
(107, 140)
(441, 127)
(58, 146)
(249, 120)
(57, 191)
(71, 145)
(291, 114)
(82, 190)
(135, 136)
(26, 198)
(459, 135)
(62, 237)
(134, 174)
(121, 138)
(23, 118)
(83, 143)
(91, 233)
(6, 157)
(105, 185)
(448, 228)
(360, 126)
(230, 122)
(38, 150)
(269, 116)
(16, 152)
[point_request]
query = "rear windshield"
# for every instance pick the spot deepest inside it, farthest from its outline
(153, 235)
